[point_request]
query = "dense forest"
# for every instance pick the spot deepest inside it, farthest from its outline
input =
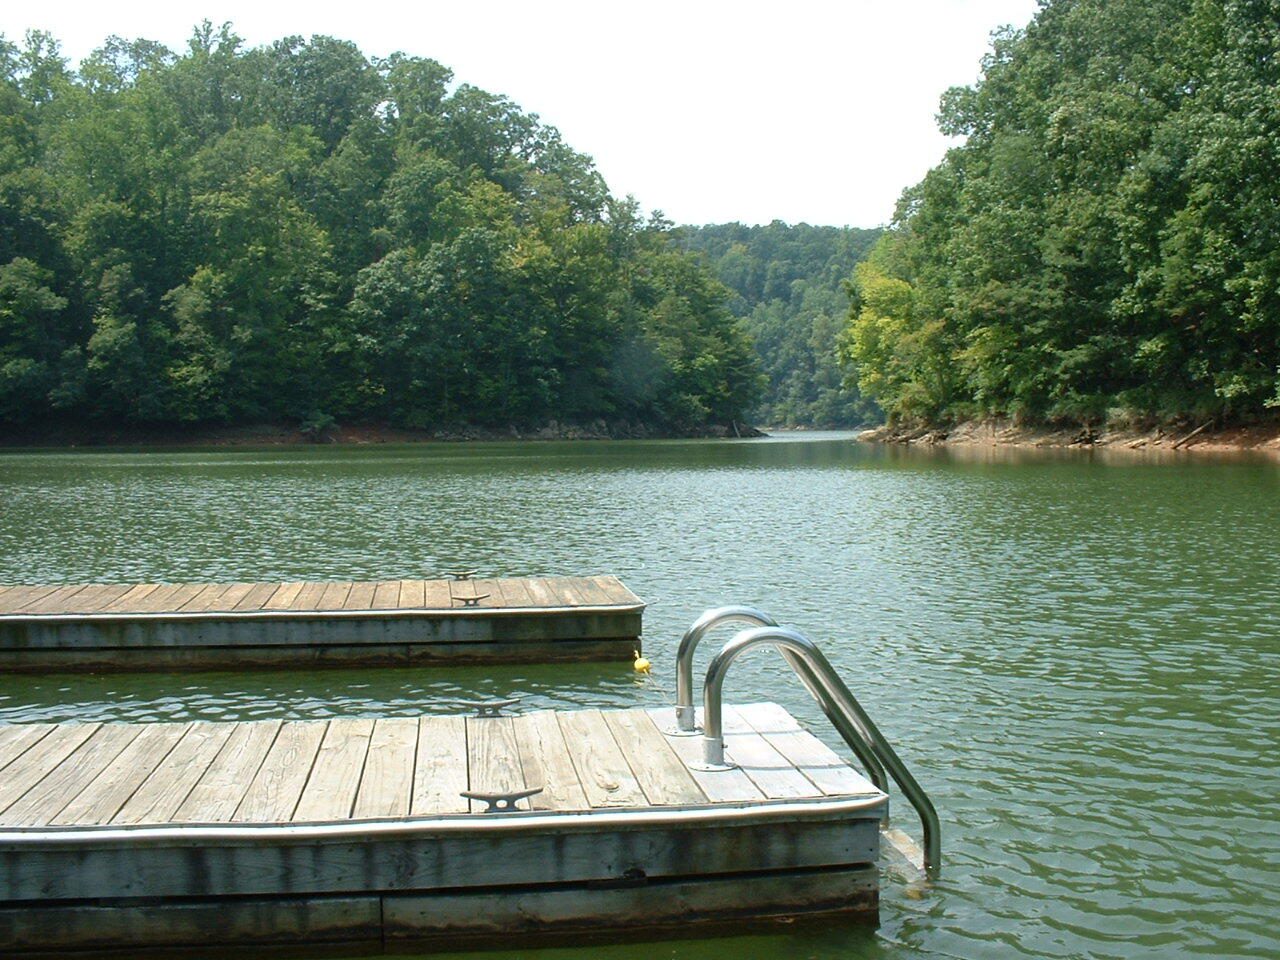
(1105, 243)
(297, 232)
(789, 289)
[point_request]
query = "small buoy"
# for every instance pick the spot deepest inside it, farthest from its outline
(642, 664)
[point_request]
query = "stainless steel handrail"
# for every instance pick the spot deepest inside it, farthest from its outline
(686, 722)
(685, 715)
(841, 698)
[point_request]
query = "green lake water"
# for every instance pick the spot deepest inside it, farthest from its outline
(1078, 656)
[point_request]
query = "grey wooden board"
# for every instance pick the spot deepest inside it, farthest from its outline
(440, 769)
(277, 656)
(232, 629)
(201, 924)
(166, 787)
(129, 627)
(330, 789)
(45, 799)
(274, 793)
(344, 768)
(101, 800)
(686, 902)
(386, 783)
(292, 867)
(545, 759)
(442, 917)
(822, 765)
(603, 770)
(661, 773)
(493, 759)
(217, 794)
(332, 595)
(44, 756)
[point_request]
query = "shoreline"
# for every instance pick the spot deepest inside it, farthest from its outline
(1202, 439)
(352, 434)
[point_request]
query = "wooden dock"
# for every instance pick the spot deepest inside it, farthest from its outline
(356, 833)
(249, 625)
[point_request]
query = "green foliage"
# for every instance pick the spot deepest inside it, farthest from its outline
(789, 292)
(296, 231)
(1106, 238)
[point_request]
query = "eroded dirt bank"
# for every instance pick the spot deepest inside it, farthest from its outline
(1198, 439)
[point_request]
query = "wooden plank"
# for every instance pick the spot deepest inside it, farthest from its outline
(566, 591)
(275, 791)
(605, 775)
(268, 927)
(386, 786)
(216, 795)
(360, 597)
(233, 595)
(285, 596)
(515, 593)
(308, 597)
(615, 591)
(205, 598)
(58, 599)
(257, 597)
(493, 758)
(334, 595)
(768, 769)
(84, 602)
(591, 592)
(61, 784)
(27, 770)
(164, 790)
(16, 598)
(544, 758)
(436, 595)
(440, 774)
(727, 906)
(522, 857)
(170, 596)
(722, 786)
(128, 601)
(101, 800)
(823, 766)
(542, 593)
(400, 594)
(330, 791)
(17, 738)
(661, 774)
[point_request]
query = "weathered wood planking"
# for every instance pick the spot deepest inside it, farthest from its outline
(358, 768)
(250, 625)
(797, 834)
(454, 920)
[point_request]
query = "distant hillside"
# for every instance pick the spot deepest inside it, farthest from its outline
(788, 285)
(297, 233)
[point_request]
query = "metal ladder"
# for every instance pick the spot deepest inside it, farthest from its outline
(848, 717)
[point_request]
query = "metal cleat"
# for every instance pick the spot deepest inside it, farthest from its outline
(473, 601)
(461, 574)
(500, 802)
(488, 708)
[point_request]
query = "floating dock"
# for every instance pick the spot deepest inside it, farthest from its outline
(251, 625)
(359, 833)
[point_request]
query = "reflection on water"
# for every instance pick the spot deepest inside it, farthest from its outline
(1077, 654)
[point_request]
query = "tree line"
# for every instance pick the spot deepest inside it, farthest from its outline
(788, 283)
(232, 234)
(1105, 243)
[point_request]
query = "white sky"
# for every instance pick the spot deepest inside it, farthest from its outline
(710, 111)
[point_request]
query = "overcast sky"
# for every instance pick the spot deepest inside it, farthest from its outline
(710, 111)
